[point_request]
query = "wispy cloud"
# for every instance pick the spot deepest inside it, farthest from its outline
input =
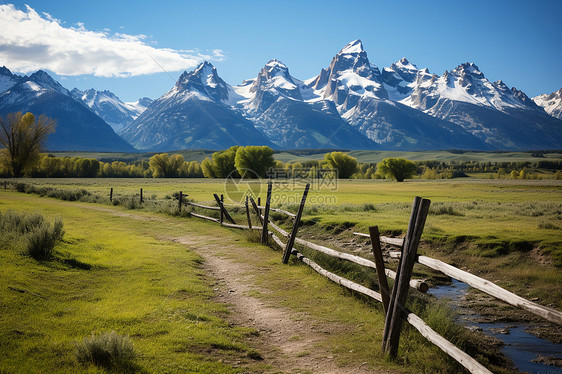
(30, 41)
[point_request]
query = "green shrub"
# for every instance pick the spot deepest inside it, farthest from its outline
(42, 240)
(108, 350)
(30, 230)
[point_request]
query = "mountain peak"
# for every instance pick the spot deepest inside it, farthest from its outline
(5, 71)
(355, 46)
(468, 67)
(42, 78)
(203, 82)
(276, 62)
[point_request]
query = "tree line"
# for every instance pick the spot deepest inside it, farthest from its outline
(23, 135)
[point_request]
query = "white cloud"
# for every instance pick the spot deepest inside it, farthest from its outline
(29, 41)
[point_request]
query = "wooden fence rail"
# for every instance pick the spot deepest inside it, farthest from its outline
(204, 206)
(481, 284)
(460, 356)
(399, 313)
(491, 289)
(418, 284)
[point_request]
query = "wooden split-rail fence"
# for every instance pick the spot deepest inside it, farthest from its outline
(394, 300)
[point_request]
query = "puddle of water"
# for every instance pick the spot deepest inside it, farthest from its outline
(520, 346)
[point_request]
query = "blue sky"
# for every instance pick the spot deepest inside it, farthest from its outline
(516, 41)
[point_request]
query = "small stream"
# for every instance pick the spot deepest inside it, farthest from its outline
(520, 346)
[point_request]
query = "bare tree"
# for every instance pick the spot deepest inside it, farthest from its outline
(23, 136)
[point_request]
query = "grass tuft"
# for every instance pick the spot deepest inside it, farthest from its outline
(31, 232)
(107, 350)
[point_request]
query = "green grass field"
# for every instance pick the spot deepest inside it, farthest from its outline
(122, 271)
(510, 230)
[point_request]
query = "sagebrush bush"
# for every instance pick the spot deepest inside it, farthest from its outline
(108, 350)
(37, 237)
(42, 240)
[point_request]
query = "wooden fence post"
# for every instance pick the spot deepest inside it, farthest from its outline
(397, 308)
(223, 209)
(180, 198)
(291, 241)
(111, 194)
(258, 213)
(222, 197)
(248, 214)
(141, 199)
(381, 274)
(266, 215)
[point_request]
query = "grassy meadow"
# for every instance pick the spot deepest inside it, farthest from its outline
(117, 272)
(507, 230)
(121, 270)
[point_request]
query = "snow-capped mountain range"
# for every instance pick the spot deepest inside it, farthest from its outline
(353, 104)
(78, 127)
(350, 104)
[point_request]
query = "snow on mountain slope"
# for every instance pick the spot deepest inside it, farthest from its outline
(465, 83)
(552, 103)
(139, 106)
(195, 113)
(78, 128)
(360, 92)
(402, 77)
(109, 107)
(349, 77)
(273, 82)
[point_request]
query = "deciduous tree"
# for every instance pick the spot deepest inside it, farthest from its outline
(397, 168)
(23, 136)
(343, 163)
(253, 161)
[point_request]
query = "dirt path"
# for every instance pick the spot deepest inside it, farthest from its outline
(288, 341)
(279, 327)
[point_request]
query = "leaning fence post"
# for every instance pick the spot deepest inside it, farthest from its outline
(393, 320)
(291, 241)
(258, 213)
(223, 209)
(266, 215)
(180, 198)
(248, 214)
(141, 199)
(111, 194)
(381, 274)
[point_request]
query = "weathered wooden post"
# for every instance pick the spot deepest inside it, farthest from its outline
(257, 210)
(248, 213)
(291, 241)
(264, 231)
(222, 197)
(381, 274)
(111, 194)
(223, 209)
(141, 199)
(259, 204)
(180, 198)
(393, 320)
